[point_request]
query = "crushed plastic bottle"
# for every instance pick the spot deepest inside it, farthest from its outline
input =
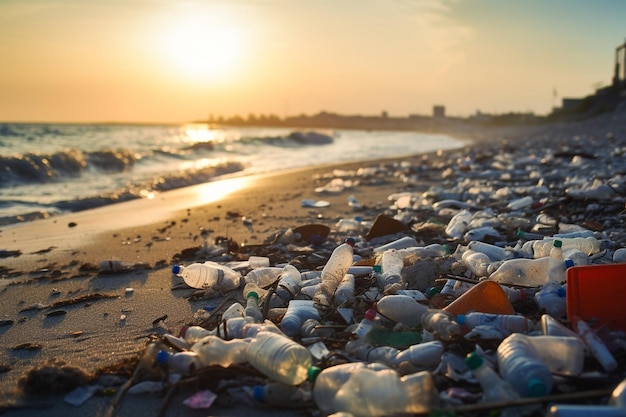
(333, 272)
(208, 275)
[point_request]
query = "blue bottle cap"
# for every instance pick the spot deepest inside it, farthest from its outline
(536, 388)
(568, 263)
(460, 319)
(258, 392)
(350, 241)
(358, 219)
(176, 269)
(162, 356)
(561, 292)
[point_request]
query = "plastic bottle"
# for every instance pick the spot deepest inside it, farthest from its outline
(334, 270)
(441, 324)
(556, 268)
(279, 358)
(401, 243)
(576, 257)
(297, 312)
(563, 355)
(368, 353)
(382, 393)
(616, 406)
(529, 235)
(281, 395)
(476, 262)
(208, 275)
(619, 256)
(264, 276)
(313, 328)
(349, 225)
(595, 345)
(495, 253)
(251, 294)
(344, 294)
(366, 324)
(183, 363)
(289, 285)
(250, 330)
(192, 334)
(213, 350)
(233, 327)
(494, 388)
(551, 299)
(426, 355)
(234, 310)
(414, 253)
(553, 327)
(588, 245)
(486, 297)
(507, 323)
(458, 224)
(258, 262)
(522, 271)
(397, 308)
(519, 363)
(391, 263)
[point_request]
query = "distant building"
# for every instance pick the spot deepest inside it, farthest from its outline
(439, 112)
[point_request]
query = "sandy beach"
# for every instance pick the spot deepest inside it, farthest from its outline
(58, 304)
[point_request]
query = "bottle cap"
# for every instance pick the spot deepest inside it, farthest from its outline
(557, 243)
(520, 233)
(561, 292)
(252, 294)
(536, 388)
(176, 269)
(162, 356)
(258, 392)
(377, 268)
(370, 314)
(446, 248)
(350, 241)
(358, 219)
(461, 319)
(568, 263)
(312, 373)
(473, 360)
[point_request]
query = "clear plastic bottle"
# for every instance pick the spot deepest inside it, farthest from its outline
(506, 323)
(519, 363)
(576, 256)
(619, 256)
(297, 312)
(476, 262)
(588, 245)
(288, 287)
(208, 275)
(597, 347)
(192, 334)
(279, 358)
(234, 310)
(414, 253)
(183, 363)
(551, 299)
(213, 350)
(391, 263)
(397, 308)
(441, 324)
(563, 355)
(344, 294)
(348, 225)
(495, 389)
(368, 353)
(366, 324)
(495, 253)
(251, 294)
(522, 271)
(334, 270)
(556, 269)
(401, 243)
(264, 276)
(383, 392)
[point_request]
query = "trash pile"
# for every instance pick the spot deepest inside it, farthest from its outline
(498, 290)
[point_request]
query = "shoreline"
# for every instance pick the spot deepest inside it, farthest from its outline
(60, 256)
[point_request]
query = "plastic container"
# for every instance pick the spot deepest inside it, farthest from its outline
(551, 299)
(486, 297)
(494, 388)
(251, 294)
(192, 334)
(391, 263)
(522, 272)
(279, 358)
(458, 224)
(264, 276)
(507, 323)
(289, 285)
(297, 312)
(575, 257)
(344, 294)
(334, 270)
(441, 324)
(213, 350)
(519, 363)
(208, 275)
(476, 262)
(397, 308)
(596, 292)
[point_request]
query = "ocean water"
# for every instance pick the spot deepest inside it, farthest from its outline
(47, 169)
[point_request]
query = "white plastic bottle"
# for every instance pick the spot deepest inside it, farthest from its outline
(251, 294)
(334, 270)
(556, 268)
(588, 245)
(522, 271)
(397, 308)
(551, 299)
(366, 324)
(401, 243)
(507, 323)
(495, 389)
(458, 224)
(576, 256)
(426, 355)
(597, 347)
(441, 324)
(264, 276)
(192, 334)
(344, 294)
(519, 363)
(476, 262)
(414, 253)
(288, 287)
(279, 358)
(208, 275)
(495, 253)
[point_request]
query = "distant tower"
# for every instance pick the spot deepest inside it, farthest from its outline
(439, 112)
(617, 77)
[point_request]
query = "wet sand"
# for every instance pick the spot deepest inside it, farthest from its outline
(56, 303)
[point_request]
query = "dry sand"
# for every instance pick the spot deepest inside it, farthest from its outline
(113, 315)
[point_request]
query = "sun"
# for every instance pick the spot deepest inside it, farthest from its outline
(203, 50)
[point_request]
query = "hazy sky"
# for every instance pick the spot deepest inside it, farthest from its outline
(178, 60)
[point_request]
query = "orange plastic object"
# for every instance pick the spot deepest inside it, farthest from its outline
(597, 293)
(485, 297)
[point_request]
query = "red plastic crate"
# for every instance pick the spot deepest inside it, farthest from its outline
(597, 293)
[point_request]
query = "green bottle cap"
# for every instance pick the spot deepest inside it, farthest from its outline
(312, 373)
(252, 294)
(473, 360)
(557, 243)
(536, 388)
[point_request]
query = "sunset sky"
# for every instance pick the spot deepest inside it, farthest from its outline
(182, 60)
